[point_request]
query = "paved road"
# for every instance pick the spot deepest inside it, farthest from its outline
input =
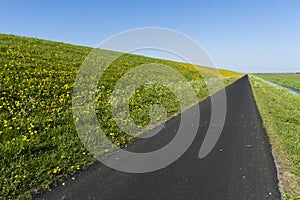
(239, 167)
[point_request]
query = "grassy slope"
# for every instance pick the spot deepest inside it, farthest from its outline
(289, 80)
(38, 140)
(280, 111)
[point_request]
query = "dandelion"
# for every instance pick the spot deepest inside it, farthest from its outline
(112, 135)
(24, 137)
(56, 170)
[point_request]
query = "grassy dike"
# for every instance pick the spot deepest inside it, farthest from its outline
(280, 111)
(39, 145)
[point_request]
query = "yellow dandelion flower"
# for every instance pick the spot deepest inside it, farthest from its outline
(56, 170)
(24, 137)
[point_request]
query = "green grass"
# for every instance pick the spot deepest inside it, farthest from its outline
(38, 140)
(289, 80)
(280, 111)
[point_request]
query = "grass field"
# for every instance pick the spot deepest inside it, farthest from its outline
(38, 140)
(280, 111)
(289, 80)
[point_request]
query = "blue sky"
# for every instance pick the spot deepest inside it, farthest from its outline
(246, 36)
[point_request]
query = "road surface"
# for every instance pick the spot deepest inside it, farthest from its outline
(240, 166)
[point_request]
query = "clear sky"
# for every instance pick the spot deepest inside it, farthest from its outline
(241, 35)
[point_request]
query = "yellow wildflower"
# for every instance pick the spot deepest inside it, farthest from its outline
(24, 137)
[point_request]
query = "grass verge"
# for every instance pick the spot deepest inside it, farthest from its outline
(280, 111)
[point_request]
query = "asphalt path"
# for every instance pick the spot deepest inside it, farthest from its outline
(240, 166)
